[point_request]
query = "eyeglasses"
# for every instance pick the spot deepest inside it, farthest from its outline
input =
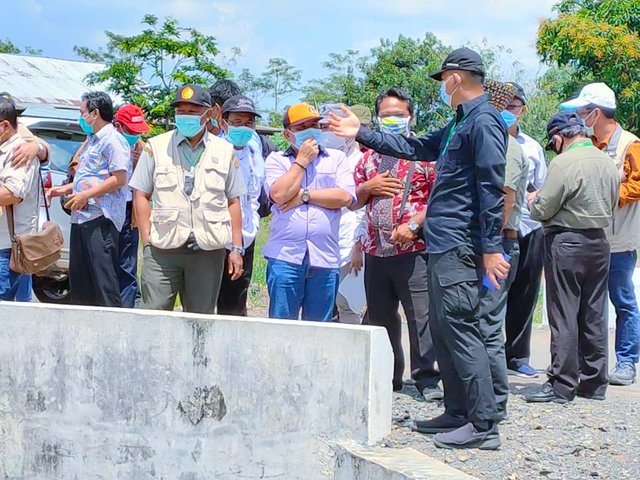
(512, 106)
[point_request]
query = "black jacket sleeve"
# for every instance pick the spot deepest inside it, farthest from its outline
(489, 146)
(402, 146)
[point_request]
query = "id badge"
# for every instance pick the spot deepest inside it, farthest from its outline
(189, 181)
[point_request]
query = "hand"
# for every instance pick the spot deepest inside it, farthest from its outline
(356, 259)
(308, 152)
(531, 196)
(384, 186)
(402, 234)
(24, 154)
(496, 267)
(52, 193)
(346, 126)
(293, 203)
(77, 201)
(135, 155)
(236, 263)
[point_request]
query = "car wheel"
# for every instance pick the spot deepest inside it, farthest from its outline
(49, 290)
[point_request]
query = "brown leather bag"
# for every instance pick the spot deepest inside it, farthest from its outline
(35, 252)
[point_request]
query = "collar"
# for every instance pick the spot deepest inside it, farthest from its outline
(181, 138)
(104, 131)
(8, 145)
(603, 144)
(580, 144)
(464, 109)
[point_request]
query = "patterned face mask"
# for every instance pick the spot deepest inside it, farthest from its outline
(394, 125)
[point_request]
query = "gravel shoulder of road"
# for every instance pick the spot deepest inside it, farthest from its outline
(584, 439)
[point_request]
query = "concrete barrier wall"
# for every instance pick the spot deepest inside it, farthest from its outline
(119, 394)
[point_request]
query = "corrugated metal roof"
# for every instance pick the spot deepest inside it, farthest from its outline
(45, 80)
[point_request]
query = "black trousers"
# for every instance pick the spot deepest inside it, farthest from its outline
(454, 294)
(576, 272)
(493, 306)
(232, 299)
(94, 263)
(523, 298)
(389, 282)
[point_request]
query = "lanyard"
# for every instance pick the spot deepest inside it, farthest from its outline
(583, 143)
(190, 157)
(452, 130)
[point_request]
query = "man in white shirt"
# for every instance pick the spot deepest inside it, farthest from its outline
(523, 294)
(239, 114)
(350, 222)
(19, 191)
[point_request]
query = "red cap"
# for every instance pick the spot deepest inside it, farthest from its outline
(132, 117)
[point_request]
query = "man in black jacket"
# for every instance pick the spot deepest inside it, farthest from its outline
(464, 241)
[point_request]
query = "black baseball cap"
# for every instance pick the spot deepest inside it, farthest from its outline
(519, 92)
(240, 104)
(6, 96)
(560, 122)
(461, 59)
(193, 94)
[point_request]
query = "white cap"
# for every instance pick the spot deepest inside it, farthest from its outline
(597, 94)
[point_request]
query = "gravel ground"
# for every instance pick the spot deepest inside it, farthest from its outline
(581, 440)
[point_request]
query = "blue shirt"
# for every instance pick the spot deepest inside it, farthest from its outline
(106, 152)
(466, 206)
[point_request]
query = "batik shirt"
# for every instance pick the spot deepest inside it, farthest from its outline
(106, 152)
(383, 214)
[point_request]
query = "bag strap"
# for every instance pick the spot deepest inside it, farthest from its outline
(12, 228)
(44, 196)
(407, 186)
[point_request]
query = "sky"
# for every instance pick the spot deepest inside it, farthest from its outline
(303, 32)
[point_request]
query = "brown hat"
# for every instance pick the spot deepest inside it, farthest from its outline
(501, 93)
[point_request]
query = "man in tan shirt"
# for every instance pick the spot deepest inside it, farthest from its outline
(575, 205)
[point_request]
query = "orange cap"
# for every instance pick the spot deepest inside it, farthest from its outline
(299, 113)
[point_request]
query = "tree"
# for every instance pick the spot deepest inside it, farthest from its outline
(345, 83)
(279, 80)
(600, 39)
(147, 69)
(7, 46)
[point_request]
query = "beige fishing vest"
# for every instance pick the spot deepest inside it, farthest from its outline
(624, 231)
(205, 212)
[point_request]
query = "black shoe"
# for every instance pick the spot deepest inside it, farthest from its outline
(439, 424)
(468, 437)
(542, 394)
(591, 396)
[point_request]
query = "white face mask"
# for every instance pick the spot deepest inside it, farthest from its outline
(590, 130)
(331, 140)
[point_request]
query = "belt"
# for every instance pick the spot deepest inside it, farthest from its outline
(510, 234)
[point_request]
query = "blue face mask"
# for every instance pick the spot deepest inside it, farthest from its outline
(86, 128)
(131, 139)
(239, 136)
(508, 118)
(214, 123)
(189, 125)
(444, 96)
(394, 125)
(303, 135)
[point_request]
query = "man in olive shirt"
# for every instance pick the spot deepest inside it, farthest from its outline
(575, 205)
(493, 302)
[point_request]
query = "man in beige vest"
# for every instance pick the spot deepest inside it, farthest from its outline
(596, 104)
(575, 205)
(193, 181)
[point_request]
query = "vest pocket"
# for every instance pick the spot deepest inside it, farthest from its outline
(165, 178)
(163, 222)
(214, 178)
(216, 227)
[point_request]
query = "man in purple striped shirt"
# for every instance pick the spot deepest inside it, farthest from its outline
(308, 185)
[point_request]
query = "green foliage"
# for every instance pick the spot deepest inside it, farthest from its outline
(147, 69)
(278, 80)
(344, 84)
(601, 40)
(7, 46)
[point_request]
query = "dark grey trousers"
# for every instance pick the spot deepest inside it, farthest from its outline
(493, 308)
(576, 272)
(454, 293)
(388, 282)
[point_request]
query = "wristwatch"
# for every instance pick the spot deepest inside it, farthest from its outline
(236, 249)
(413, 227)
(305, 196)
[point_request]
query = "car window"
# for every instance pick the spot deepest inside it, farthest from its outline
(63, 147)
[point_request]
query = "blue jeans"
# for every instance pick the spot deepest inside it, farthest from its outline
(128, 271)
(25, 288)
(9, 280)
(301, 287)
(623, 297)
